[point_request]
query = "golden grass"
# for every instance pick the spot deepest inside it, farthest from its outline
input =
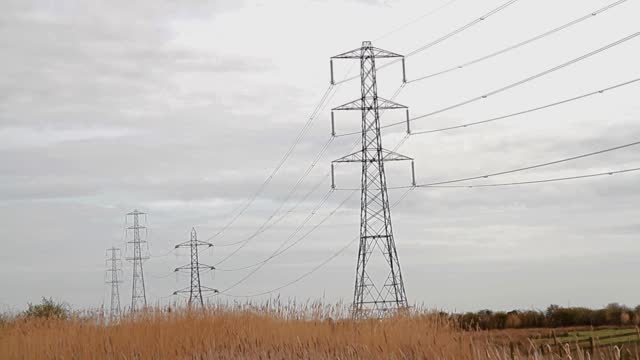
(270, 331)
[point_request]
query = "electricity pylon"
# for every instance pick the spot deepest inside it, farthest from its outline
(138, 292)
(113, 278)
(379, 288)
(195, 289)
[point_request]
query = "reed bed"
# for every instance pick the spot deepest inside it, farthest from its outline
(267, 331)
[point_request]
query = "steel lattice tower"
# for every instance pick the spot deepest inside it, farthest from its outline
(379, 288)
(113, 278)
(138, 292)
(195, 289)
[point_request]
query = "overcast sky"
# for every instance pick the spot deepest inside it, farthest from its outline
(182, 109)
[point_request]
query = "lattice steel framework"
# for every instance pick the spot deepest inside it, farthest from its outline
(113, 271)
(377, 292)
(195, 289)
(138, 291)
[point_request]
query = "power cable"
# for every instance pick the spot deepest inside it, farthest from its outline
(419, 18)
(461, 29)
(265, 225)
(324, 199)
(582, 156)
(532, 166)
(523, 81)
(279, 165)
(520, 82)
(481, 97)
(441, 39)
(287, 197)
(317, 267)
(522, 43)
(527, 111)
(537, 181)
(280, 250)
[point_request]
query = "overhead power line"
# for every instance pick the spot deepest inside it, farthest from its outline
(304, 198)
(463, 28)
(522, 43)
(518, 83)
(537, 181)
(315, 208)
(442, 184)
(536, 166)
(317, 267)
(281, 162)
(281, 250)
(443, 38)
(531, 78)
(265, 225)
(532, 166)
(527, 111)
(316, 112)
(419, 18)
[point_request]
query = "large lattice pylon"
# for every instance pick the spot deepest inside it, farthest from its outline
(195, 289)
(379, 289)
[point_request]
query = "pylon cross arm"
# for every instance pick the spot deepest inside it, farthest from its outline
(353, 157)
(382, 104)
(360, 52)
(206, 288)
(387, 155)
(193, 243)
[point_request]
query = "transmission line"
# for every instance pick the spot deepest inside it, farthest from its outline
(536, 166)
(265, 225)
(280, 249)
(290, 193)
(443, 38)
(517, 83)
(282, 217)
(443, 184)
(285, 157)
(526, 80)
(533, 166)
(463, 28)
(317, 267)
(316, 112)
(316, 207)
(419, 18)
(520, 44)
(527, 111)
(536, 181)
(352, 241)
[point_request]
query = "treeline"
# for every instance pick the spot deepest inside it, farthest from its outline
(554, 316)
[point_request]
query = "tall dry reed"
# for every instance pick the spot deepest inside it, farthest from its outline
(266, 331)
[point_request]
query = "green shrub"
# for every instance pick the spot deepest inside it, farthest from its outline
(47, 309)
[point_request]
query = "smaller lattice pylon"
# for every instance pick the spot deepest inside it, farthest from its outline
(195, 289)
(113, 275)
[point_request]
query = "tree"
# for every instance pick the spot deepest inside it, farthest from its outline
(513, 320)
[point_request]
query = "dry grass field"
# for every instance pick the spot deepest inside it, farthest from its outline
(273, 331)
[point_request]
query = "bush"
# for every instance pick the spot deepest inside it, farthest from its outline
(47, 309)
